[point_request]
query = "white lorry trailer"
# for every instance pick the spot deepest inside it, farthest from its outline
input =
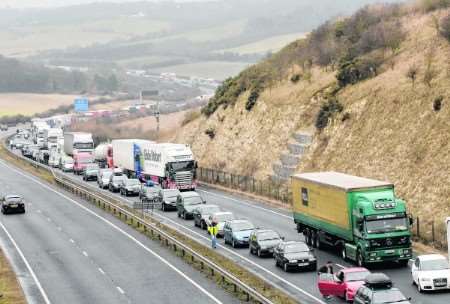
(75, 142)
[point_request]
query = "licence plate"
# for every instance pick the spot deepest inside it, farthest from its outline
(303, 264)
(389, 251)
(14, 206)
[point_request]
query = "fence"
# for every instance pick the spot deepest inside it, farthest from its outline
(270, 189)
(432, 233)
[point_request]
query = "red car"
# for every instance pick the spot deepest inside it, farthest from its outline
(344, 284)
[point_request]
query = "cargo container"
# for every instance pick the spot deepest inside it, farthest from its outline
(360, 217)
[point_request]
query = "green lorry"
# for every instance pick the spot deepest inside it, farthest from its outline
(360, 217)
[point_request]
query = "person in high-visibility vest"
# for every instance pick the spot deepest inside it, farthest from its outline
(213, 230)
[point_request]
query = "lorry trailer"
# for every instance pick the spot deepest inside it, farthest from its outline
(360, 217)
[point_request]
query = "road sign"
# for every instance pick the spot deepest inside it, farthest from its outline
(81, 104)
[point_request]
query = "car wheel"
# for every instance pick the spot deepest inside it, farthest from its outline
(233, 243)
(359, 259)
(346, 298)
(276, 263)
(184, 216)
(258, 252)
(419, 288)
(203, 225)
(285, 267)
(178, 213)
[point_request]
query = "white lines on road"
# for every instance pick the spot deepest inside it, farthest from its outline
(36, 280)
(114, 226)
(72, 241)
(85, 253)
(247, 204)
(101, 271)
(120, 290)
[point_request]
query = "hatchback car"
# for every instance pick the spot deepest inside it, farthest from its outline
(12, 204)
(90, 172)
(187, 202)
(130, 186)
(103, 178)
(294, 255)
(149, 194)
(202, 213)
(237, 232)
(431, 272)
(377, 289)
(115, 181)
(263, 241)
(344, 284)
(168, 198)
(220, 218)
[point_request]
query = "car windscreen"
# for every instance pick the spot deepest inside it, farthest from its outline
(209, 209)
(87, 160)
(388, 296)
(193, 200)
(242, 226)
(387, 225)
(117, 178)
(437, 264)
(133, 182)
(356, 276)
(106, 174)
(14, 199)
(171, 193)
(182, 166)
(267, 236)
(298, 247)
(224, 217)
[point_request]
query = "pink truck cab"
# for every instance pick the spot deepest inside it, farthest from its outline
(81, 160)
(344, 284)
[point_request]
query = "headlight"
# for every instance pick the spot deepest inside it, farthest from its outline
(293, 261)
(312, 259)
(425, 279)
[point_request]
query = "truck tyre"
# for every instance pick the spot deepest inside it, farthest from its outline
(308, 237)
(343, 252)
(403, 263)
(299, 228)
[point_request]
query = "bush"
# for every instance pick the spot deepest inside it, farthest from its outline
(327, 110)
(444, 28)
(252, 99)
(431, 5)
(350, 72)
(295, 78)
(190, 116)
(437, 103)
(211, 133)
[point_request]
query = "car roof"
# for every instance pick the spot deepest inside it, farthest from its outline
(189, 194)
(12, 196)
(207, 206)
(293, 242)
(222, 212)
(354, 269)
(430, 257)
(378, 280)
(263, 230)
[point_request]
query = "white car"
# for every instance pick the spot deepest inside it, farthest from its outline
(431, 272)
(220, 218)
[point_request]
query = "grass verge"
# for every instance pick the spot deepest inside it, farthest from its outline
(10, 290)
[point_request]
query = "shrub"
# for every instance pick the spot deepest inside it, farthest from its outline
(444, 29)
(190, 116)
(345, 117)
(350, 72)
(295, 78)
(437, 103)
(327, 110)
(252, 99)
(211, 133)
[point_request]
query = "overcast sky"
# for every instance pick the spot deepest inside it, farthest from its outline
(53, 3)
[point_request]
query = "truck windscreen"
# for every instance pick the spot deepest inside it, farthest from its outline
(387, 225)
(182, 166)
(83, 146)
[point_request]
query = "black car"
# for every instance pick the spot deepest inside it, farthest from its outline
(168, 198)
(294, 255)
(149, 194)
(12, 204)
(90, 173)
(263, 241)
(130, 186)
(187, 202)
(377, 289)
(115, 181)
(202, 213)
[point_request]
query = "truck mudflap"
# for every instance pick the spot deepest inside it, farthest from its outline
(385, 255)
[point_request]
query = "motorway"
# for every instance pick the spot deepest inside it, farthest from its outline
(64, 250)
(302, 285)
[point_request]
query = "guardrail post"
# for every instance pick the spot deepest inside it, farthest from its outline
(432, 231)
(418, 227)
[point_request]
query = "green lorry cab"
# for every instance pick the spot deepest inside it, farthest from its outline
(360, 217)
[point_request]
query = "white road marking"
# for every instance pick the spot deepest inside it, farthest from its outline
(101, 271)
(247, 204)
(120, 290)
(36, 280)
(204, 291)
(72, 241)
(85, 254)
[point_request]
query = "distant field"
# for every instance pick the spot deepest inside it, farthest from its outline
(168, 122)
(208, 69)
(23, 41)
(271, 44)
(29, 104)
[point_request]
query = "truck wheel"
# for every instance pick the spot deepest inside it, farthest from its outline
(308, 237)
(343, 252)
(314, 239)
(299, 228)
(403, 263)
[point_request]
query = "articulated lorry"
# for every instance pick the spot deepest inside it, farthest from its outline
(75, 142)
(103, 155)
(360, 217)
(170, 165)
(52, 137)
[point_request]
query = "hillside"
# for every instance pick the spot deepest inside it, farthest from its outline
(373, 92)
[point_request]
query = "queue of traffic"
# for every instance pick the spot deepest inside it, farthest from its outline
(361, 218)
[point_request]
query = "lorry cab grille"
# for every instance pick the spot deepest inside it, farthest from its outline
(389, 242)
(183, 178)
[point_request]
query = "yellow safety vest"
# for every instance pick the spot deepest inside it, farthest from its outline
(213, 230)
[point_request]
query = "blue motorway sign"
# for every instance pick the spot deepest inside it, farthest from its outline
(81, 104)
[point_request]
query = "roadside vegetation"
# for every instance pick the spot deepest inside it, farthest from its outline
(10, 290)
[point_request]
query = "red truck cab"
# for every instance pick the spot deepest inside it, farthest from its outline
(81, 160)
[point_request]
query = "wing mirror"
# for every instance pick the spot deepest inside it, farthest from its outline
(282, 238)
(411, 220)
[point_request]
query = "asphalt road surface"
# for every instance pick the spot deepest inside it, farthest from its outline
(67, 251)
